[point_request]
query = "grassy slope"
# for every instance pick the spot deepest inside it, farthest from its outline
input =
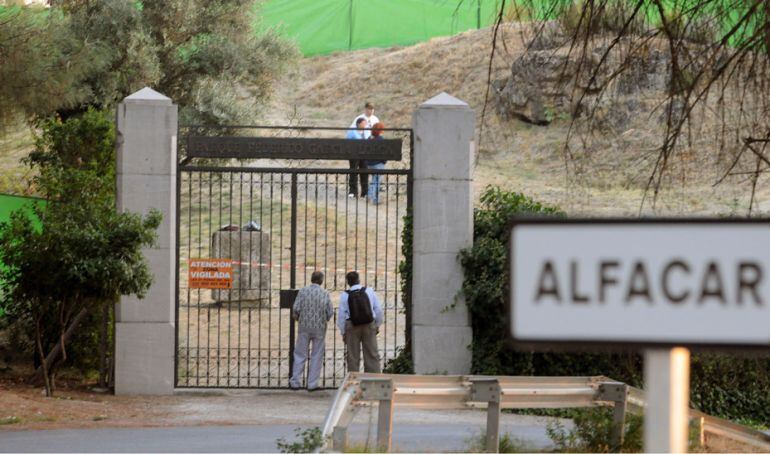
(330, 90)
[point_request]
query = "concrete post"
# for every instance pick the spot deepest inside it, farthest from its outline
(443, 225)
(146, 172)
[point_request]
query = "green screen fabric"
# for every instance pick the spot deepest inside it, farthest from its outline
(9, 204)
(325, 26)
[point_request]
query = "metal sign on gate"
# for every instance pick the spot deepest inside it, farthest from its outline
(277, 220)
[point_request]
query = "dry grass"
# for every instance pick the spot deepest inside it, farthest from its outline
(330, 90)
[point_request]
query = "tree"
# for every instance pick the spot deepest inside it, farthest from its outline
(86, 255)
(717, 64)
(72, 266)
(42, 63)
(205, 55)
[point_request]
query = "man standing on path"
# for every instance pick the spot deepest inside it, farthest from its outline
(313, 309)
(359, 318)
(358, 164)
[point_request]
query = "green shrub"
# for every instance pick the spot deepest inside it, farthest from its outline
(402, 363)
(486, 280)
(721, 385)
(507, 443)
(597, 17)
(308, 440)
(592, 432)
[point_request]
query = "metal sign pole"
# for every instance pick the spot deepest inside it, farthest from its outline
(666, 418)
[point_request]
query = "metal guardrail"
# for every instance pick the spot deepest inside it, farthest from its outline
(443, 392)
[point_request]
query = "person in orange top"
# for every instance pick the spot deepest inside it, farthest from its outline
(374, 186)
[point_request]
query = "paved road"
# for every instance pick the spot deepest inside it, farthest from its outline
(406, 437)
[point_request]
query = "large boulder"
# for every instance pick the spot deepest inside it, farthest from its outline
(545, 82)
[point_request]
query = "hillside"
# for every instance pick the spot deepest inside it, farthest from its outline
(330, 90)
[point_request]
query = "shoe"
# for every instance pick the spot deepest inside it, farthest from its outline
(294, 388)
(351, 196)
(312, 390)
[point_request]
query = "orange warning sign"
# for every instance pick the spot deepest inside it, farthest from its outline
(210, 273)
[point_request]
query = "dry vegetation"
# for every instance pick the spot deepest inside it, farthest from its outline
(608, 178)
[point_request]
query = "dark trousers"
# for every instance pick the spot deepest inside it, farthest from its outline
(358, 164)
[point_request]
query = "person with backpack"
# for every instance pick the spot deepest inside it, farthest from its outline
(358, 319)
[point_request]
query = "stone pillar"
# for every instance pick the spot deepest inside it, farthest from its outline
(146, 173)
(443, 225)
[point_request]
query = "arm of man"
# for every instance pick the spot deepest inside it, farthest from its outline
(329, 307)
(342, 313)
(376, 307)
(297, 306)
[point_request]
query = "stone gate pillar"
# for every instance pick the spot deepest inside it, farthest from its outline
(443, 225)
(146, 172)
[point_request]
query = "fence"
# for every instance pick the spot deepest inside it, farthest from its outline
(325, 26)
(437, 392)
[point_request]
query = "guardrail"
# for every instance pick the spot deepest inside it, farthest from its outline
(437, 392)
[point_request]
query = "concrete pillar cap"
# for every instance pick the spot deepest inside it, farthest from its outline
(148, 96)
(444, 99)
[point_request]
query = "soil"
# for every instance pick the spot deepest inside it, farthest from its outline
(76, 405)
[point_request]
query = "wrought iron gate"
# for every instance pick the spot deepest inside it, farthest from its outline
(243, 198)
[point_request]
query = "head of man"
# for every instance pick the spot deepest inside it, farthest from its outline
(361, 123)
(352, 278)
(369, 109)
(377, 129)
(317, 277)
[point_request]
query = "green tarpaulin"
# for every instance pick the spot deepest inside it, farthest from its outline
(324, 26)
(9, 204)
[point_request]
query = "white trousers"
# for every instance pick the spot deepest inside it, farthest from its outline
(301, 348)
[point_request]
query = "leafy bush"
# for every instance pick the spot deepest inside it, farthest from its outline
(592, 432)
(403, 363)
(486, 281)
(595, 18)
(85, 254)
(309, 440)
(721, 385)
(507, 443)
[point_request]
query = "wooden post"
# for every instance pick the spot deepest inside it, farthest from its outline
(385, 425)
(381, 390)
(340, 439)
(618, 394)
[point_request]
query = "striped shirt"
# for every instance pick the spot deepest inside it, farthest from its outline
(313, 307)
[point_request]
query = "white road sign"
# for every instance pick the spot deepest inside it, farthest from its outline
(696, 282)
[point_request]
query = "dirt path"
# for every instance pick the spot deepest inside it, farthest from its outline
(81, 409)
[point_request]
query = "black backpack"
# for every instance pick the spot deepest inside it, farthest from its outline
(359, 306)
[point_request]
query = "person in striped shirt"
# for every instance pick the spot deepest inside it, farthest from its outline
(313, 309)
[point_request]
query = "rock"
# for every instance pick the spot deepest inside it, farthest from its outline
(542, 83)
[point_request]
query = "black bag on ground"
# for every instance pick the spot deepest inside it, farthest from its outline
(359, 306)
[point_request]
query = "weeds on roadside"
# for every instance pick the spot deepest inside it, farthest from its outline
(9, 420)
(508, 443)
(309, 440)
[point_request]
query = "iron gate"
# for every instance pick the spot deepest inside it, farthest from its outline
(293, 216)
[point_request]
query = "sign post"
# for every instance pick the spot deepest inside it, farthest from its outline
(661, 286)
(667, 380)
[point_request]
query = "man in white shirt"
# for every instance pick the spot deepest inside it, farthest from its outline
(358, 319)
(370, 118)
